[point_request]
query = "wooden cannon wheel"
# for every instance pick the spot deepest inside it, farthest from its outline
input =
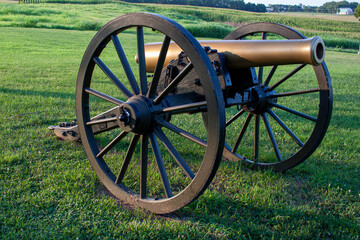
(294, 103)
(143, 161)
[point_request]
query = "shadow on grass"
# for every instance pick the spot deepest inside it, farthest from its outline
(300, 210)
(257, 221)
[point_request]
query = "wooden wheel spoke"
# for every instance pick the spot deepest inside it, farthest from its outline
(125, 63)
(112, 77)
(143, 165)
(263, 35)
(242, 132)
(260, 74)
(159, 67)
(270, 75)
(236, 116)
(256, 137)
(101, 115)
(161, 166)
(182, 132)
(173, 83)
(289, 75)
(174, 153)
(127, 158)
(184, 108)
(300, 114)
(142, 63)
(111, 144)
(99, 121)
(283, 125)
(300, 92)
(103, 96)
(272, 137)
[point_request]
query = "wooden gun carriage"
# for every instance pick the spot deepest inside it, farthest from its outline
(154, 127)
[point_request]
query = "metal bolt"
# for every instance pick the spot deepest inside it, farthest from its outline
(125, 117)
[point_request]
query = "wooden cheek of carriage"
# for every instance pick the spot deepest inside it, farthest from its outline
(134, 125)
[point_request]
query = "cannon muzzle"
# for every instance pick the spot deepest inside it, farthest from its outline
(249, 53)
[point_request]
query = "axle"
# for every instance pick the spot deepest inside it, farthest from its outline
(249, 53)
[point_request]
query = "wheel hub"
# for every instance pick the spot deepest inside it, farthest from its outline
(260, 99)
(135, 115)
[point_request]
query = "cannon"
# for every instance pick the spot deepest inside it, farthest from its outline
(158, 110)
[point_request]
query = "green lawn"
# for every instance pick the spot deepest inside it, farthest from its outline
(49, 190)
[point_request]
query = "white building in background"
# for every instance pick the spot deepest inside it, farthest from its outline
(345, 11)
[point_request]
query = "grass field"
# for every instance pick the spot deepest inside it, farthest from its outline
(49, 190)
(207, 22)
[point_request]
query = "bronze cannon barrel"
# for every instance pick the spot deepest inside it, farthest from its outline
(250, 53)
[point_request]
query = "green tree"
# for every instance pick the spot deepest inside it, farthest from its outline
(357, 12)
(260, 7)
(237, 4)
(353, 5)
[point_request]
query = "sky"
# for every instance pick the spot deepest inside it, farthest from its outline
(294, 2)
